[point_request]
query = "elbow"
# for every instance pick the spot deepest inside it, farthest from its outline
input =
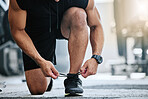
(96, 28)
(14, 30)
(16, 33)
(92, 28)
(98, 31)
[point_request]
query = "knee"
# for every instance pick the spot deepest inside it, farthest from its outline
(37, 91)
(78, 18)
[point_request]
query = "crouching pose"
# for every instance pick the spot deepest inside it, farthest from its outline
(35, 26)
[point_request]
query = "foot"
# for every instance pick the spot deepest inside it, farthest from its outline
(50, 85)
(73, 85)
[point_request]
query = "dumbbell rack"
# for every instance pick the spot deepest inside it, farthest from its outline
(10, 59)
(140, 62)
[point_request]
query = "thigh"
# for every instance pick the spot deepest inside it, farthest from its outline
(36, 81)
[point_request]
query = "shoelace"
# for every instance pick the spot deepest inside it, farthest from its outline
(65, 75)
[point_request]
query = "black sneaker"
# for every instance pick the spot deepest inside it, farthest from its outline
(50, 85)
(73, 85)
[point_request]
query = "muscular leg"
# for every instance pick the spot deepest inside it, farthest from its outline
(36, 81)
(74, 27)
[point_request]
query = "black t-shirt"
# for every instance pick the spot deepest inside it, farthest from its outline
(43, 25)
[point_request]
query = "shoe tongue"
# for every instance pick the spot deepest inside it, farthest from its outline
(73, 76)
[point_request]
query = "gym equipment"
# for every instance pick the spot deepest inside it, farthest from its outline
(11, 59)
(4, 22)
(10, 55)
(6, 34)
(2, 12)
(129, 24)
(6, 28)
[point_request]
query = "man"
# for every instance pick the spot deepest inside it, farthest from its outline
(35, 26)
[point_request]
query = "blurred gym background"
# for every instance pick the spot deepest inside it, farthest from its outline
(125, 52)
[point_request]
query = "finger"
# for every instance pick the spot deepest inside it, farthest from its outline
(86, 74)
(50, 74)
(53, 76)
(55, 72)
(83, 69)
(83, 72)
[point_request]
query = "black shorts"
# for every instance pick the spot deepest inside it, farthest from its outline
(46, 48)
(42, 32)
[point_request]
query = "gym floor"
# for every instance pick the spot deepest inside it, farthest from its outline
(100, 86)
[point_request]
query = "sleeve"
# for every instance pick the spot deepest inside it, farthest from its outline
(80, 3)
(22, 4)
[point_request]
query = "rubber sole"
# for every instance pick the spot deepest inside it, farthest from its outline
(73, 94)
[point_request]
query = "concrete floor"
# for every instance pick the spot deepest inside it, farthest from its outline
(100, 86)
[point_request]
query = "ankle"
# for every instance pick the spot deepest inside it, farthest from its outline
(73, 72)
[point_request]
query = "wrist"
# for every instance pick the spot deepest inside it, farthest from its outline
(39, 61)
(98, 58)
(96, 53)
(95, 60)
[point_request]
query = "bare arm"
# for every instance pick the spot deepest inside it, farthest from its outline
(96, 30)
(17, 20)
(96, 38)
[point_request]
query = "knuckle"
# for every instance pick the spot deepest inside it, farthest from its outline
(82, 69)
(51, 66)
(45, 74)
(50, 74)
(91, 72)
(46, 71)
(88, 72)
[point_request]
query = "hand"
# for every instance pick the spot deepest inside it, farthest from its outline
(57, 0)
(48, 69)
(89, 68)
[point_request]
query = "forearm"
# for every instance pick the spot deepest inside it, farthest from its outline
(26, 44)
(97, 39)
(17, 20)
